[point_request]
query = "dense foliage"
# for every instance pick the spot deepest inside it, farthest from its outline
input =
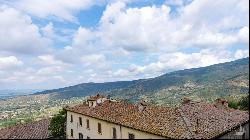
(242, 103)
(57, 125)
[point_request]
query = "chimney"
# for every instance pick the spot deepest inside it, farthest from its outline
(221, 103)
(142, 106)
(185, 100)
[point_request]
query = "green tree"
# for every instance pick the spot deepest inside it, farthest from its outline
(57, 126)
(232, 102)
(244, 103)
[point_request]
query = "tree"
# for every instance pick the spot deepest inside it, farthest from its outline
(57, 126)
(244, 103)
(232, 103)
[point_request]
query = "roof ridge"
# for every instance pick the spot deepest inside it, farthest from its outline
(187, 122)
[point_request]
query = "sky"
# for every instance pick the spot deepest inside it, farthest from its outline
(46, 44)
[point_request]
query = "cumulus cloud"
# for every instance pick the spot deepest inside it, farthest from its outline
(10, 62)
(241, 54)
(59, 9)
(200, 33)
(49, 70)
(176, 61)
(134, 29)
(152, 29)
(19, 35)
(244, 35)
(49, 60)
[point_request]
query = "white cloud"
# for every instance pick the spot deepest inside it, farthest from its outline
(10, 62)
(50, 60)
(50, 32)
(174, 61)
(59, 9)
(19, 35)
(201, 34)
(241, 54)
(220, 14)
(49, 70)
(134, 29)
(244, 35)
(151, 29)
(96, 61)
(83, 38)
(218, 39)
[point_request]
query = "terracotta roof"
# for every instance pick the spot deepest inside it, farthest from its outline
(33, 130)
(210, 121)
(170, 122)
(151, 120)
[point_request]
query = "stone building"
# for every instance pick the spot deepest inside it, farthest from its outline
(104, 118)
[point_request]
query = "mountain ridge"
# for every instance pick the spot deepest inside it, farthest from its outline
(197, 78)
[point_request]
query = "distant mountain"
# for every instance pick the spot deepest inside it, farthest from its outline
(9, 93)
(219, 80)
(86, 89)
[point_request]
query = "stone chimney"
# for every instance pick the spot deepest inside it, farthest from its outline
(185, 100)
(142, 106)
(95, 100)
(221, 103)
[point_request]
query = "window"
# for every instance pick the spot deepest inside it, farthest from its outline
(131, 136)
(80, 136)
(87, 124)
(88, 137)
(99, 128)
(114, 133)
(80, 121)
(71, 118)
(244, 136)
(71, 133)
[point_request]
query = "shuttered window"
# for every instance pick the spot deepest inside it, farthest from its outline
(114, 133)
(99, 128)
(80, 121)
(71, 133)
(87, 121)
(80, 136)
(131, 136)
(71, 118)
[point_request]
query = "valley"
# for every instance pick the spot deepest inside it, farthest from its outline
(227, 80)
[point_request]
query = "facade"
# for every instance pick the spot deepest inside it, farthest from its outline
(101, 118)
(106, 131)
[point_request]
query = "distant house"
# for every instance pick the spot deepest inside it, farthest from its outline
(33, 130)
(100, 117)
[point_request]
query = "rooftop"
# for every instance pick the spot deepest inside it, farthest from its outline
(191, 120)
(33, 130)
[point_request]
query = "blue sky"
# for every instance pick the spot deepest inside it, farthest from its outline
(49, 44)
